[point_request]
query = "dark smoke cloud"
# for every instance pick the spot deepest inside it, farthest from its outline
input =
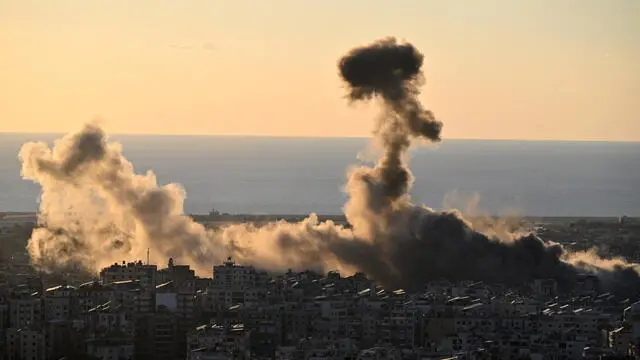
(404, 245)
(427, 245)
(392, 71)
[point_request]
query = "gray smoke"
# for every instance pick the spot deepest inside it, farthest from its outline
(96, 210)
(392, 72)
(406, 245)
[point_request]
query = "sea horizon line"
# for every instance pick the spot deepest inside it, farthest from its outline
(312, 137)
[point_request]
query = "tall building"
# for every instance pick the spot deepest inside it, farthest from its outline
(230, 275)
(92, 294)
(182, 277)
(136, 271)
(157, 335)
(177, 295)
(60, 302)
(233, 284)
(62, 338)
(25, 309)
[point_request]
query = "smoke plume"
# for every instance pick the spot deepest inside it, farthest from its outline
(96, 210)
(415, 244)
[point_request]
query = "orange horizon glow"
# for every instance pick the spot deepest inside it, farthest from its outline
(498, 69)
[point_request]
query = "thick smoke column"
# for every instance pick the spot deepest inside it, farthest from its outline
(392, 72)
(96, 210)
(414, 244)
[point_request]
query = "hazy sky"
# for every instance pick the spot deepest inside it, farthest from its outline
(535, 69)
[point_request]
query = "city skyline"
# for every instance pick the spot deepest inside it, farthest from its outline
(132, 310)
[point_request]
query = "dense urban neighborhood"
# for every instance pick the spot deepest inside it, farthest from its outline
(140, 310)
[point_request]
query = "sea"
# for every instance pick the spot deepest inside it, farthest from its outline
(284, 175)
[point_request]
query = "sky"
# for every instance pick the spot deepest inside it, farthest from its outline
(495, 69)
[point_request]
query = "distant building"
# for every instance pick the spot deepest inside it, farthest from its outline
(60, 302)
(25, 309)
(229, 275)
(236, 284)
(137, 271)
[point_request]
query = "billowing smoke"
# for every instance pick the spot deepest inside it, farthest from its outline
(93, 205)
(96, 210)
(413, 243)
(392, 72)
